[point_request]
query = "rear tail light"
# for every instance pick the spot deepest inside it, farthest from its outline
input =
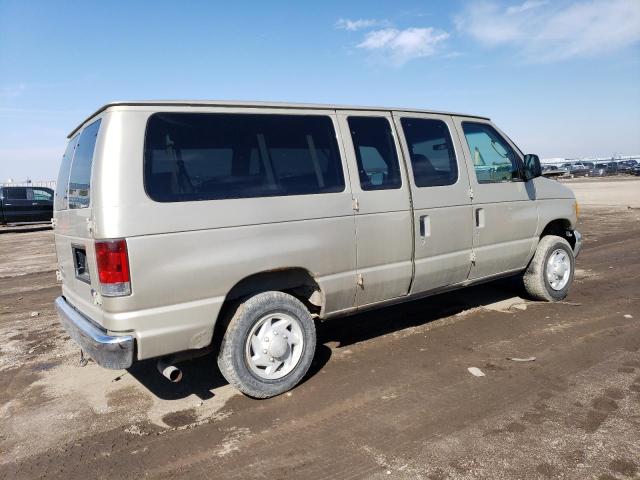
(113, 268)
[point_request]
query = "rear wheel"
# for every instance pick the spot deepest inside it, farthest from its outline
(268, 346)
(551, 270)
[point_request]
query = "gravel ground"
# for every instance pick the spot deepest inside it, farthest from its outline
(389, 395)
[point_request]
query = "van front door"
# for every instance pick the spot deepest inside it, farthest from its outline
(505, 212)
(384, 242)
(442, 216)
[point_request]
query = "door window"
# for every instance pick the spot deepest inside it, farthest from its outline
(433, 158)
(494, 160)
(375, 151)
(39, 194)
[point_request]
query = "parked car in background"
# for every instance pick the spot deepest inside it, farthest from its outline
(599, 170)
(589, 165)
(25, 204)
(624, 167)
(551, 171)
(182, 228)
(577, 170)
(613, 168)
(636, 170)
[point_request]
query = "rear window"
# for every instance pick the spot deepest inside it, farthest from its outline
(15, 193)
(80, 176)
(216, 156)
(60, 198)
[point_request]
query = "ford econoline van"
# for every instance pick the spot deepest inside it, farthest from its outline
(186, 227)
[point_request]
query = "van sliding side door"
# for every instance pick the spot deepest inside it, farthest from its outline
(442, 218)
(381, 202)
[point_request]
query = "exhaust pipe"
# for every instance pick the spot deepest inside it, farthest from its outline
(167, 365)
(169, 371)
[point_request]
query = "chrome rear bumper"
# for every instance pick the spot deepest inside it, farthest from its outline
(109, 351)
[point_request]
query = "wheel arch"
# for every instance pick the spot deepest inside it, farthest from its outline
(559, 227)
(296, 281)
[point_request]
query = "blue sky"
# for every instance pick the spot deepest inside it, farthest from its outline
(561, 77)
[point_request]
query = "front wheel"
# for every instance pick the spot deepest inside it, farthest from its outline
(551, 270)
(268, 346)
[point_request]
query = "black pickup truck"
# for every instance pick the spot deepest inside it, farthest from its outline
(25, 204)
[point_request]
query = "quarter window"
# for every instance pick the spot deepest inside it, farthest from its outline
(494, 160)
(376, 155)
(433, 158)
(216, 156)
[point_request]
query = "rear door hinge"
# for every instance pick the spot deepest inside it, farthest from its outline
(54, 223)
(356, 204)
(360, 281)
(470, 192)
(472, 257)
(91, 226)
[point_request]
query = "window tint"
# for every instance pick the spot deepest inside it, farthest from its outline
(375, 150)
(433, 158)
(493, 158)
(41, 194)
(15, 193)
(80, 176)
(60, 196)
(216, 156)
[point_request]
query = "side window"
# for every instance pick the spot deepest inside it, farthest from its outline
(60, 195)
(376, 155)
(80, 176)
(433, 158)
(210, 156)
(15, 193)
(493, 158)
(40, 194)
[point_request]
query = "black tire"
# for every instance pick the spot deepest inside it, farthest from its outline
(231, 356)
(535, 277)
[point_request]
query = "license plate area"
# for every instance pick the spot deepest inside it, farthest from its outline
(80, 263)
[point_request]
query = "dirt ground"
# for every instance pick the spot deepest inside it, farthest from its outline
(389, 394)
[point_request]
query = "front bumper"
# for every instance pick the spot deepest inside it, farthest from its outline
(578, 244)
(109, 351)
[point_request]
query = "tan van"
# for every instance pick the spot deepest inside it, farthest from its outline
(182, 227)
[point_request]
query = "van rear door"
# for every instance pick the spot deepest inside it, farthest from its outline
(74, 224)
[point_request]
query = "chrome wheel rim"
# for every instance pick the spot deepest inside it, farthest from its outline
(274, 346)
(558, 269)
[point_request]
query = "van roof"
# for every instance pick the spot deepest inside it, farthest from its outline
(234, 103)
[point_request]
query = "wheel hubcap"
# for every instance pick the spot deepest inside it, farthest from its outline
(558, 269)
(274, 346)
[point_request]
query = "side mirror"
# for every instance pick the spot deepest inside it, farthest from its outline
(532, 167)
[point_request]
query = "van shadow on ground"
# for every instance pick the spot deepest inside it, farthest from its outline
(201, 375)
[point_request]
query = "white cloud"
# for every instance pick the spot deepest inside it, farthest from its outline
(528, 5)
(12, 91)
(400, 46)
(354, 25)
(545, 32)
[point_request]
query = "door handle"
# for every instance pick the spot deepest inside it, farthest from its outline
(7, 204)
(425, 226)
(479, 217)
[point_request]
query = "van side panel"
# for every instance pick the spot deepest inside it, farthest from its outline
(185, 256)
